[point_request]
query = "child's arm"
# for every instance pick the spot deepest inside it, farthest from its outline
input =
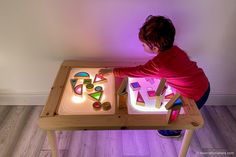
(147, 70)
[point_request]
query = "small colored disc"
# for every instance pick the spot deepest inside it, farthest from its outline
(97, 106)
(106, 106)
(98, 88)
(89, 86)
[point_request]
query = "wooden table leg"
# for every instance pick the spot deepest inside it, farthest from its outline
(185, 143)
(52, 140)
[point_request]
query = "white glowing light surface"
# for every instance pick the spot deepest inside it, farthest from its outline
(73, 104)
(149, 107)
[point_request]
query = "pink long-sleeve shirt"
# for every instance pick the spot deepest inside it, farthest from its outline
(175, 66)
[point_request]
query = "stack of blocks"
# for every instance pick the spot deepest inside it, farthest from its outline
(173, 107)
(136, 87)
(159, 94)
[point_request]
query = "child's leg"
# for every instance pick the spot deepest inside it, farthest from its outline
(176, 133)
(203, 99)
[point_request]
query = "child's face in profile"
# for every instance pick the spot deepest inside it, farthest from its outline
(149, 50)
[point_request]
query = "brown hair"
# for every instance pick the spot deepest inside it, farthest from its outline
(157, 31)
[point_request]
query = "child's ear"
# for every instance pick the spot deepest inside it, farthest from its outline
(155, 49)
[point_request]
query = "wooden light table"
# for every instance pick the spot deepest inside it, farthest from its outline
(51, 121)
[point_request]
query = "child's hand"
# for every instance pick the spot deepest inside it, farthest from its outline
(105, 71)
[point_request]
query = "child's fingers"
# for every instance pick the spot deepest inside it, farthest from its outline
(105, 71)
(102, 71)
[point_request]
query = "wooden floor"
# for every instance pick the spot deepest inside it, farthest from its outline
(21, 137)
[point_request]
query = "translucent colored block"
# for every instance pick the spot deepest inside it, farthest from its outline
(89, 86)
(98, 88)
(140, 100)
(96, 96)
(135, 86)
(79, 89)
(73, 82)
(169, 96)
(151, 93)
(87, 81)
(178, 102)
(82, 74)
(174, 114)
(150, 80)
(99, 78)
(106, 106)
(97, 106)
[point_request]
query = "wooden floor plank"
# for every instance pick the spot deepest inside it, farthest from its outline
(11, 129)
(4, 110)
(63, 138)
(19, 130)
(32, 137)
(135, 143)
(232, 110)
(47, 153)
(109, 143)
(83, 143)
(160, 146)
(209, 136)
(225, 124)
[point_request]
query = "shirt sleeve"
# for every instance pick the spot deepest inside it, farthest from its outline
(149, 69)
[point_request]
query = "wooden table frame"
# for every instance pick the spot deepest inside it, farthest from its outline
(50, 121)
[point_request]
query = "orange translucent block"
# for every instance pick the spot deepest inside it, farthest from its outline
(169, 96)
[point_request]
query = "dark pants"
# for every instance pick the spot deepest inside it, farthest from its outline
(203, 99)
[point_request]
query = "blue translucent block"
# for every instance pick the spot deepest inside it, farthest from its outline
(135, 85)
(178, 102)
(81, 74)
(98, 88)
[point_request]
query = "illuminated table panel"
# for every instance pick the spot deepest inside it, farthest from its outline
(74, 104)
(149, 107)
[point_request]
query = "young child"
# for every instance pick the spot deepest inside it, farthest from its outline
(172, 63)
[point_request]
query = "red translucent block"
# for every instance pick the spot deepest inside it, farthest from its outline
(140, 100)
(79, 89)
(99, 78)
(151, 93)
(174, 114)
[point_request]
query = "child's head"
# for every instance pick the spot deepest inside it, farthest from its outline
(157, 33)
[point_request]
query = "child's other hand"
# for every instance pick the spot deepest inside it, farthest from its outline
(105, 71)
